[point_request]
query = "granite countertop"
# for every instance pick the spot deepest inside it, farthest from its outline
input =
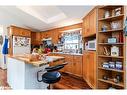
(38, 63)
(68, 53)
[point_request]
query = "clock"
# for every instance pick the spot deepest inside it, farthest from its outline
(1, 39)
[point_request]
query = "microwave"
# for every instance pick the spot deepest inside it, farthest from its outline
(91, 45)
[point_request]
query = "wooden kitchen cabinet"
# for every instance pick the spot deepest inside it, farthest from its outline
(55, 36)
(89, 24)
(68, 67)
(51, 34)
(85, 66)
(93, 22)
(47, 34)
(86, 29)
(77, 65)
(17, 31)
(26, 33)
(74, 65)
(89, 68)
(35, 38)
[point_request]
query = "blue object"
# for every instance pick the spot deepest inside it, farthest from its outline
(5, 46)
(125, 28)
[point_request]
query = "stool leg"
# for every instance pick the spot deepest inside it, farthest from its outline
(50, 86)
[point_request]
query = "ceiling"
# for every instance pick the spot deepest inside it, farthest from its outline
(41, 18)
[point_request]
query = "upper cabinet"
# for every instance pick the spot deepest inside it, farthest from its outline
(17, 31)
(89, 24)
(46, 34)
(35, 38)
(55, 36)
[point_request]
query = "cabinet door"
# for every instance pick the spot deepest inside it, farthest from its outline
(68, 67)
(93, 24)
(46, 34)
(77, 65)
(86, 26)
(89, 24)
(16, 31)
(92, 69)
(85, 66)
(55, 35)
(35, 38)
(27, 33)
(89, 68)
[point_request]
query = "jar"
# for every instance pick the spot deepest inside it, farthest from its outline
(119, 65)
(107, 14)
(112, 65)
(114, 51)
(105, 65)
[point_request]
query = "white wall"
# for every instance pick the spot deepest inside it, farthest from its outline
(5, 21)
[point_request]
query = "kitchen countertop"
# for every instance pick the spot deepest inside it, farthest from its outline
(68, 53)
(39, 63)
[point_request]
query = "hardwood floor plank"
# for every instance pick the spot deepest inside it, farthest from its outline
(70, 82)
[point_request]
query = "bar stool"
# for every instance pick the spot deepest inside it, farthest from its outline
(52, 75)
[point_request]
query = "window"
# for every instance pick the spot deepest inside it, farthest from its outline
(72, 41)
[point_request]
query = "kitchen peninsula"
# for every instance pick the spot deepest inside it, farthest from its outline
(22, 73)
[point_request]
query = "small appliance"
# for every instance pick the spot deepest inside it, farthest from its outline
(92, 45)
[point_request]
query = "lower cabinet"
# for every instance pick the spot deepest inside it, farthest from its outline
(89, 68)
(74, 65)
(68, 68)
(77, 65)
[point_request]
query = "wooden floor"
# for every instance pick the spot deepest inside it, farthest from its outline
(70, 82)
(67, 82)
(3, 79)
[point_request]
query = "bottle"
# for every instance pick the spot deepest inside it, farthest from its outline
(125, 28)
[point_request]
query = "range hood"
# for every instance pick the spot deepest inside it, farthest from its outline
(47, 39)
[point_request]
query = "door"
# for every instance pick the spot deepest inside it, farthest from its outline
(36, 38)
(93, 24)
(92, 69)
(55, 36)
(68, 67)
(86, 26)
(89, 68)
(77, 65)
(85, 66)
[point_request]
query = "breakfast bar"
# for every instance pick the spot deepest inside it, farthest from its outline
(22, 73)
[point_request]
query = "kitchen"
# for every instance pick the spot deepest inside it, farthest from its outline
(93, 50)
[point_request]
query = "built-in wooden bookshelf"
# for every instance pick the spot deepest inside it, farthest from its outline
(110, 69)
(111, 82)
(116, 30)
(102, 42)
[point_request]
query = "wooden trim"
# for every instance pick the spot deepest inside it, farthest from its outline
(19, 27)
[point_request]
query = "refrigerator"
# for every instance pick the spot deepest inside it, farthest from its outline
(21, 45)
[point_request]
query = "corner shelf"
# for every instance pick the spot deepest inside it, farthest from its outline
(111, 82)
(112, 18)
(109, 7)
(115, 30)
(111, 56)
(110, 43)
(108, 69)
